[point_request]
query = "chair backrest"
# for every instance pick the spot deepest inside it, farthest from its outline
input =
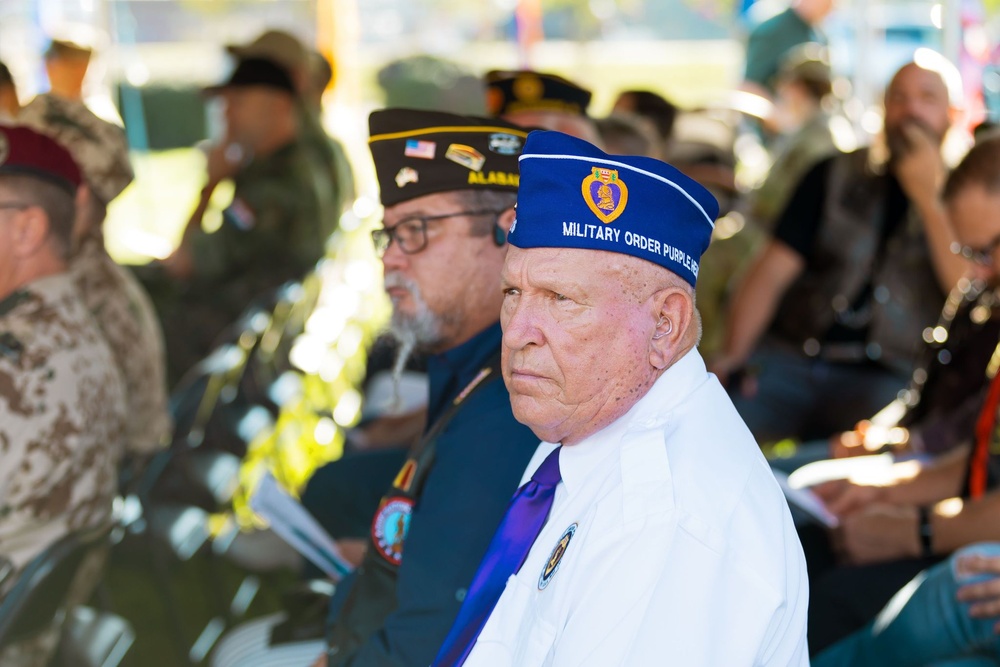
(92, 638)
(38, 597)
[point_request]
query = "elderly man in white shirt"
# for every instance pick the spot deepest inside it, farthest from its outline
(649, 530)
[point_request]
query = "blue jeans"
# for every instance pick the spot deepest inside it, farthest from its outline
(805, 398)
(923, 625)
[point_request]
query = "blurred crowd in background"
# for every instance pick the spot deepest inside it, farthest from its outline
(231, 197)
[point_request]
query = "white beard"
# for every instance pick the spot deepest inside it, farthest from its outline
(412, 332)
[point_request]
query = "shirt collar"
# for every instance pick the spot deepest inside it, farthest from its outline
(48, 289)
(578, 461)
(669, 390)
(450, 371)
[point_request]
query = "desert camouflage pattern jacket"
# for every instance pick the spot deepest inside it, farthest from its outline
(62, 418)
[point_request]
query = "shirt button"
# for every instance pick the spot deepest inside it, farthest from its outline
(460, 594)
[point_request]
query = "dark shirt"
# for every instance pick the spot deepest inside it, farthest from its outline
(770, 42)
(799, 226)
(452, 370)
(480, 458)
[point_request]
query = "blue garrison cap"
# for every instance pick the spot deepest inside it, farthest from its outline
(573, 195)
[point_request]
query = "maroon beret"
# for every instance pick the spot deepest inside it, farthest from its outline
(25, 152)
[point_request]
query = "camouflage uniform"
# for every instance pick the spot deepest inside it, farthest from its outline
(114, 297)
(62, 414)
(97, 146)
(283, 211)
(332, 155)
(126, 317)
(276, 227)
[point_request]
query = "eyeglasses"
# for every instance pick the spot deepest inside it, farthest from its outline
(410, 234)
(982, 255)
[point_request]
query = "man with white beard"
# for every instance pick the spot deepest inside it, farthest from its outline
(448, 184)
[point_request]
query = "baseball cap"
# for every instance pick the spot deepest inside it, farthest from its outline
(418, 153)
(256, 72)
(278, 46)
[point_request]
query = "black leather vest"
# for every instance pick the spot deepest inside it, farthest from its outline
(906, 297)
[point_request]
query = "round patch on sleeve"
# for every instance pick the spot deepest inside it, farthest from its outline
(555, 558)
(392, 522)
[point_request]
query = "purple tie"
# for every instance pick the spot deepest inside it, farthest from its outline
(524, 519)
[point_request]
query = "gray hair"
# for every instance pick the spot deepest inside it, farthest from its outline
(58, 203)
(484, 200)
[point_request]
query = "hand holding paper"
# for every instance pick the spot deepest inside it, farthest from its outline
(294, 524)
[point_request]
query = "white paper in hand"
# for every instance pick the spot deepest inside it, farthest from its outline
(806, 500)
(294, 524)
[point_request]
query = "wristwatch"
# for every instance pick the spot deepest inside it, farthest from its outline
(925, 533)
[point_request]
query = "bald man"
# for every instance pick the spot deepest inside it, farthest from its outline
(826, 327)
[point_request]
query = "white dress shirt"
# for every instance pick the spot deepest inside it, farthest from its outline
(684, 552)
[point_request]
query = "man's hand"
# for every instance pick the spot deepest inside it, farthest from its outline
(353, 549)
(866, 439)
(877, 534)
(320, 661)
(984, 595)
(223, 161)
(844, 497)
(846, 444)
(919, 170)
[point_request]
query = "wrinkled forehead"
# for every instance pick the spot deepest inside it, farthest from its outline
(613, 270)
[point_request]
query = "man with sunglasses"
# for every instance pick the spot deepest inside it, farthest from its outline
(448, 184)
(62, 401)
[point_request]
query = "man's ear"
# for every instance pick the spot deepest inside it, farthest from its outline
(31, 231)
(506, 219)
(672, 335)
